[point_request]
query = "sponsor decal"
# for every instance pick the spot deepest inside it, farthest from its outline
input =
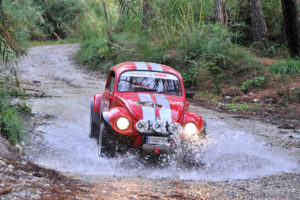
(148, 104)
(150, 75)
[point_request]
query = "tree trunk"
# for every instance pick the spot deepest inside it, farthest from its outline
(118, 27)
(291, 23)
(107, 24)
(147, 14)
(219, 16)
(259, 26)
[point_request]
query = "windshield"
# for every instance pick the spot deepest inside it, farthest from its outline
(141, 81)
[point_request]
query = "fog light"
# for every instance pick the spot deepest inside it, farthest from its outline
(122, 123)
(190, 129)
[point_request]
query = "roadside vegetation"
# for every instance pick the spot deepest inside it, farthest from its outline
(11, 111)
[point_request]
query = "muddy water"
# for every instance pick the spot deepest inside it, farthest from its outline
(234, 148)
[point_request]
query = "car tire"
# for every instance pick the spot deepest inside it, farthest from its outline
(106, 141)
(94, 128)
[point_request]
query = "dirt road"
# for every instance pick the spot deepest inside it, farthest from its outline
(243, 158)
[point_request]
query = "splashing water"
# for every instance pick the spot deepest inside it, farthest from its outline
(225, 154)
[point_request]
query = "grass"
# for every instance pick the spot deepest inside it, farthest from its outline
(10, 114)
(50, 42)
(243, 107)
(290, 66)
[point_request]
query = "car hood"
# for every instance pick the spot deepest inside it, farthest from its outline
(153, 106)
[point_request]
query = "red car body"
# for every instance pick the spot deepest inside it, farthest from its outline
(145, 103)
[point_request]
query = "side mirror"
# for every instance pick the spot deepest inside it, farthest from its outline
(189, 94)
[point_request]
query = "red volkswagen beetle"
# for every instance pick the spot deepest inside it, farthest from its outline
(143, 106)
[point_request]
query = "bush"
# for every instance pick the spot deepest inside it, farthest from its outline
(10, 122)
(93, 52)
(60, 18)
(212, 48)
(290, 66)
(257, 82)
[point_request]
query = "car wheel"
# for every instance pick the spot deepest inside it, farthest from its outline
(94, 128)
(106, 141)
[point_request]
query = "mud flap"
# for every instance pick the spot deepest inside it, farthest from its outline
(95, 115)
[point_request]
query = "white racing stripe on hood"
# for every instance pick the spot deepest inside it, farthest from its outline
(141, 65)
(165, 112)
(156, 67)
(148, 113)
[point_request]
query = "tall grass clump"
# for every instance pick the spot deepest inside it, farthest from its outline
(93, 52)
(290, 66)
(10, 122)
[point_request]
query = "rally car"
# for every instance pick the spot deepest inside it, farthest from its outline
(144, 107)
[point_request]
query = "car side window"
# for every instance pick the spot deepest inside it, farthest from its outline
(111, 82)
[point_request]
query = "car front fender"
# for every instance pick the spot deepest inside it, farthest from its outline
(194, 118)
(112, 115)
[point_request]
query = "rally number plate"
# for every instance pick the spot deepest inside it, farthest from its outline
(156, 140)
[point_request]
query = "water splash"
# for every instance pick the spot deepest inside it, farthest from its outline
(225, 154)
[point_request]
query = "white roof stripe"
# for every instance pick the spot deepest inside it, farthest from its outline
(141, 65)
(156, 67)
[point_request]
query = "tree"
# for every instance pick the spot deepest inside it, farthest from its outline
(123, 4)
(147, 14)
(107, 24)
(291, 23)
(219, 16)
(259, 27)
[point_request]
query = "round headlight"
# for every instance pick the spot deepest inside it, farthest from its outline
(122, 123)
(190, 129)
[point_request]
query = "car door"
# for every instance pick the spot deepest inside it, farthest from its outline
(109, 89)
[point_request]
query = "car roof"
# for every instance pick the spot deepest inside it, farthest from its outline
(126, 66)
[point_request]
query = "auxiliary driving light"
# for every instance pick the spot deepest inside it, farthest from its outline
(122, 123)
(190, 129)
(159, 126)
(142, 126)
(175, 128)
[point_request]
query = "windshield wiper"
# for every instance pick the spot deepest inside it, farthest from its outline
(143, 89)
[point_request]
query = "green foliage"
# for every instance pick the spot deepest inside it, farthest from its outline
(257, 82)
(93, 52)
(212, 47)
(245, 107)
(17, 22)
(60, 18)
(290, 66)
(179, 37)
(10, 122)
